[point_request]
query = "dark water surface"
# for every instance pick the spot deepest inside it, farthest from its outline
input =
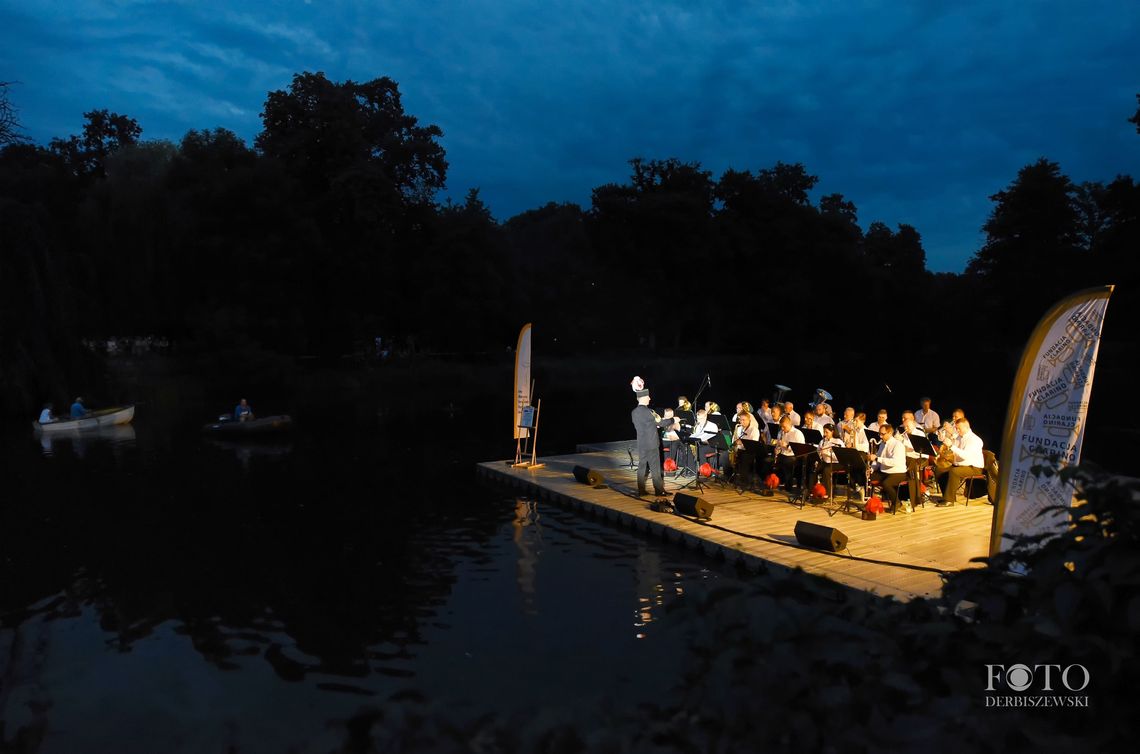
(165, 592)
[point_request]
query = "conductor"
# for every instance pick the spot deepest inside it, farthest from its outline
(648, 440)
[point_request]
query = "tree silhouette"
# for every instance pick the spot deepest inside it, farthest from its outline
(9, 123)
(103, 133)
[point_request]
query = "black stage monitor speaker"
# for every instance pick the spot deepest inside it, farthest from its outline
(589, 476)
(823, 537)
(691, 505)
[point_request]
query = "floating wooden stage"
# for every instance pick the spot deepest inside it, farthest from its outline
(897, 555)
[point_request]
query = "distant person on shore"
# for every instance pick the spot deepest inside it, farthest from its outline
(78, 410)
(243, 412)
(46, 416)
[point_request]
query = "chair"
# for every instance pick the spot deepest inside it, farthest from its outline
(989, 460)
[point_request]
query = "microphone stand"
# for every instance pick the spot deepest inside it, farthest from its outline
(697, 467)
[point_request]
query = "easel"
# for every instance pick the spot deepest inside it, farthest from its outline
(527, 422)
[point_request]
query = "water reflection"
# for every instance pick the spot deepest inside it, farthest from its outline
(79, 440)
(246, 451)
(316, 578)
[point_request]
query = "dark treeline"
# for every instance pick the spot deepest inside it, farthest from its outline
(326, 232)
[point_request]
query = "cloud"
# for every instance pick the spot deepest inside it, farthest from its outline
(916, 112)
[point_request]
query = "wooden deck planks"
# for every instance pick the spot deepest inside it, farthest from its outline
(757, 530)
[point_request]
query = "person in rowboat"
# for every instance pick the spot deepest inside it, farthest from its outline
(78, 410)
(243, 412)
(46, 416)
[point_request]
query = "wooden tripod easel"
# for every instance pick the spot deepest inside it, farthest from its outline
(532, 440)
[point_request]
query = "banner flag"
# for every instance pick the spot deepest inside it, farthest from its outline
(1045, 420)
(522, 380)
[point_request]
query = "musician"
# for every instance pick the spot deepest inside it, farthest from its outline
(947, 433)
(764, 411)
(789, 410)
(857, 438)
(847, 423)
(809, 421)
(888, 465)
(785, 457)
(703, 429)
(822, 417)
(926, 417)
(874, 426)
(968, 461)
(915, 461)
(744, 465)
(742, 407)
(777, 413)
(648, 443)
(828, 462)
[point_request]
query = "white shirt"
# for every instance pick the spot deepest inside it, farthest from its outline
(792, 435)
(752, 433)
(826, 454)
(46, 417)
(766, 414)
(703, 430)
(968, 451)
(905, 437)
(891, 458)
(928, 420)
(861, 442)
(822, 420)
(795, 417)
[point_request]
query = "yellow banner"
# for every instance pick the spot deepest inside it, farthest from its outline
(522, 381)
(1045, 422)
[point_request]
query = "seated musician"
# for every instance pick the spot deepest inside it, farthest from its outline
(967, 459)
(874, 426)
(847, 423)
(764, 412)
(947, 432)
(888, 465)
(915, 461)
(683, 404)
(809, 421)
(857, 438)
(790, 410)
(777, 413)
(785, 457)
(821, 415)
(828, 462)
(745, 463)
(742, 407)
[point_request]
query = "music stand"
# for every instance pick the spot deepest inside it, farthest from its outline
(812, 436)
(855, 461)
(800, 452)
(719, 442)
(925, 448)
(773, 430)
(754, 448)
(721, 421)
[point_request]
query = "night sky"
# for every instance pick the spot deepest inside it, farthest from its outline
(917, 112)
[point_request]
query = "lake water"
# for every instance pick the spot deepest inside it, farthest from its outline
(166, 592)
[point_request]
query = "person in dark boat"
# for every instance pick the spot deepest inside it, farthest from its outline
(78, 410)
(243, 412)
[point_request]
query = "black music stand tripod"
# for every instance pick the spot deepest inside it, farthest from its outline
(855, 462)
(802, 452)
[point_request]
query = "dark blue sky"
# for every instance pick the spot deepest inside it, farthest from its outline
(916, 111)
